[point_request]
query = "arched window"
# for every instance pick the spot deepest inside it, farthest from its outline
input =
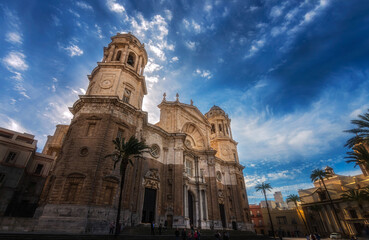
(212, 128)
(119, 54)
(131, 59)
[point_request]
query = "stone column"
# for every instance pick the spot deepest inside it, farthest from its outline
(123, 59)
(111, 53)
(185, 201)
(139, 64)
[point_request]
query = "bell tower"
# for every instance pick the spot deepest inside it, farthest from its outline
(81, 191)
(120, 73)
(221, 135)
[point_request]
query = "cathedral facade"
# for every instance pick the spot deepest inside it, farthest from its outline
(190, 176)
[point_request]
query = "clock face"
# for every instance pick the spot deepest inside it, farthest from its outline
(107, 81)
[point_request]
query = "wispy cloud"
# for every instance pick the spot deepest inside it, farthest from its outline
(203, 73)
(16, 61)
(115, 7)
(73, 50)
(84, 5)
(14, 37)
(12, 124)
(190, 45)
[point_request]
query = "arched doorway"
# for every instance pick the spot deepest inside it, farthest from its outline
(191, 207)
(148, 210)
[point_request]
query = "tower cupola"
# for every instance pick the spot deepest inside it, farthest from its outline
(120, 73)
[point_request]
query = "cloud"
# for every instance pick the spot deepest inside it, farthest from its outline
(15, 60)
(276, 11)
(14, 37)
(74, 50)
(10, 123)
(174, 59)
(152, 67)
(255, 47)
(192, 26)
(203, 73)
(98, 31)
(190, 45)
(84, 5)
(115, 7)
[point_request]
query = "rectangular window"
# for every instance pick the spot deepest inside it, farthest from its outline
(120, 133)
(72, 192)
(189, 168)
(91, 129)
(353, 214)
(11, 156)
(38, 169)
(108, 196)
(126, 95)
(282, 220)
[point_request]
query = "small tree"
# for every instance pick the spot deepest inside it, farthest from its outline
(263, 187)
(123, 154)
(317, 175)
(294, 198)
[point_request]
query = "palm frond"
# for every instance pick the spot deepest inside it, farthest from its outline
(359, 155)
(293, 198)
(263, 187)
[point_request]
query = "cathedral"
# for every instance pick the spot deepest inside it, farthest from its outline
(191, 175)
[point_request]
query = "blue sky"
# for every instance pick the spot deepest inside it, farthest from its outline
(290, 74)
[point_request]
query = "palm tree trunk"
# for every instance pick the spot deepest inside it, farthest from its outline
(123, 173)
(270, 217)
(306, 226)
(333, 208)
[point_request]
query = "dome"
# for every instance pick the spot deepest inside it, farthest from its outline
(215, 107)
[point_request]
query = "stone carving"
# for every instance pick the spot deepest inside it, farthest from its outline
(151, 179)
(220, 194)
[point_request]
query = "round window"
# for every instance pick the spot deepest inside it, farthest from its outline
(155, 150)
(83, 151)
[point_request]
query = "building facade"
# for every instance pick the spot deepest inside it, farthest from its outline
(353, 215)
(257, 219)
(191, 176)
(23, 172)
(286, 222)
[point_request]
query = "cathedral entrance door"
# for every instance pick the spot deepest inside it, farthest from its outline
(170, 221)
(222, 215)
(148, 210)
(190, 207)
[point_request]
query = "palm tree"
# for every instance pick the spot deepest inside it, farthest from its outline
(358, 195)
(319, 174)
(294, 198)
(359, 155)
(123, 153)
(264, 187)
(361, 131)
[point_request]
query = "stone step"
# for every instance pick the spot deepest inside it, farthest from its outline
(11, 236)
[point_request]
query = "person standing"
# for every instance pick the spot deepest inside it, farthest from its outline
(152, 228)
(160, 228)
(176, 233)
(111, 228)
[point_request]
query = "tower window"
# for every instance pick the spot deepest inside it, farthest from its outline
(126, 95)
(131, 59)
(220, 128)
(226, 129)
(212, 128)
(119, 54)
